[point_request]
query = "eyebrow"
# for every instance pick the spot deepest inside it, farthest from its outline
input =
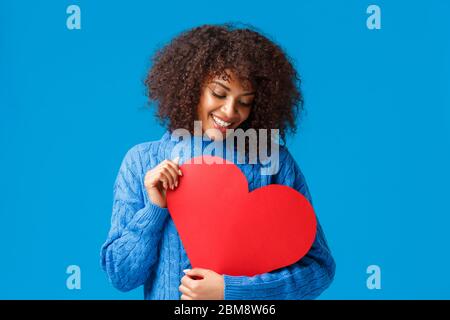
(228, 89)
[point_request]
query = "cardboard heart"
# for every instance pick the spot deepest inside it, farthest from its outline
(225, 228)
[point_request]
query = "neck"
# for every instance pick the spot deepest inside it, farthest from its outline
(192, 145)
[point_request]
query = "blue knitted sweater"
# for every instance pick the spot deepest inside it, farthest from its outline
(143, 246)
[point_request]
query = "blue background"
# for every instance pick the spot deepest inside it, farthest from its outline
(373, 145)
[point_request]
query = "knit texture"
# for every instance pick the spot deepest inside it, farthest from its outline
(143, 246)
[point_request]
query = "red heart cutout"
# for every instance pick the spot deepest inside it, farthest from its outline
(225, 228)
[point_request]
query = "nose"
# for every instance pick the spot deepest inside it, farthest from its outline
(229, 109)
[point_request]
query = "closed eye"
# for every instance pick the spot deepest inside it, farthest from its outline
(245, 104)
(217, 95)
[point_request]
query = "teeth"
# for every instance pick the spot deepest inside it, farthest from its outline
(220, 122)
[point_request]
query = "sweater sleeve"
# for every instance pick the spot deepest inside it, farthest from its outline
(305, 279)
(131, 249)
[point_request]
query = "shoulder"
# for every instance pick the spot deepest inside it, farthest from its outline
(143, 155)
(286, 158)
(286, 166)
(289, 172)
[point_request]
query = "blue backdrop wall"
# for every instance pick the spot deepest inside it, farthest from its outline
(373, 145)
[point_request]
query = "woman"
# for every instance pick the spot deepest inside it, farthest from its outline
(227, 78)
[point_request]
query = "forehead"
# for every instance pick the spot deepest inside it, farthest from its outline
(232, 81)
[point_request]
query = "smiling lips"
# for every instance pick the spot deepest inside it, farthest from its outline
(220, 124)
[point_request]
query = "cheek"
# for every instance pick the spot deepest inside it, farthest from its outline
(207, 104)
(245, 114)
(202, 109)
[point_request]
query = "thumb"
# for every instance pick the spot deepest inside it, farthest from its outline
(196, 272)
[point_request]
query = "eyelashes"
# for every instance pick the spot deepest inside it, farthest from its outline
(217, 95)
(246, 104)
(223, 97)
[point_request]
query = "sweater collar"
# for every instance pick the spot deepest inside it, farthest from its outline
(192, 146)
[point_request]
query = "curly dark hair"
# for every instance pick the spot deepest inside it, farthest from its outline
(181, 68)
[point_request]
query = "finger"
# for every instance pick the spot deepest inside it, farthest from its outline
(185, 290)
(165, 181)
(173, 173)
(170, 181)
(188, 282)
(163, 164)
(175, 166)
(197, 272)
(185, 297)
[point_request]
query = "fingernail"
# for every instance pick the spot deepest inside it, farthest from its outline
(171, 187)
(180, 173)
(186, 270)
(176, 184)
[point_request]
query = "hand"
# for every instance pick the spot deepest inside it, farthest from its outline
(201, 284)
(159, 179)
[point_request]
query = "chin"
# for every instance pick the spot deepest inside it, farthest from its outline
(216, 136)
